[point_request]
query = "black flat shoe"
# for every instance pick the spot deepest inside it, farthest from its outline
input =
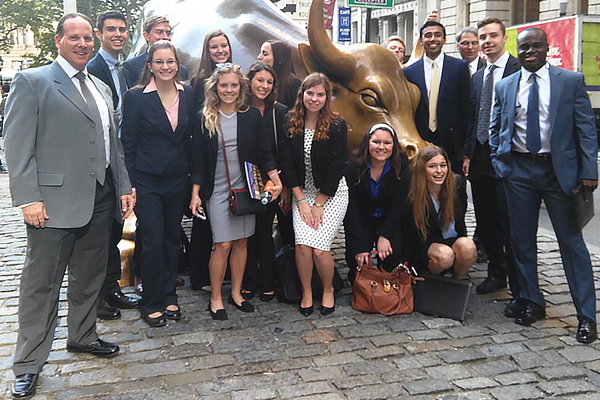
(119, 300)
(98, 348)
(156, 322)
(514, 308)
(532, 314)
(266, 297)
(586, 332)
(244, 307)
(173, 315)
(306, 311)
(490, 285)
(247, 295)
(24, 386)
(326, 310)
(107, 312)
(219, 315)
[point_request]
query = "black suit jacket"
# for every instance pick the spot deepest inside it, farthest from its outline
(133, 67)
(99, 68)
(480, 64)
(148, 139)
(327, 157)
(391, 200)
(512, 66)
(454, 107)
(252, 146)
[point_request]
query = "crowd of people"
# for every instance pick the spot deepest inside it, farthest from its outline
(117, 136)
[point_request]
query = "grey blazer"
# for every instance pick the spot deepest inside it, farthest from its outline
(50, 149)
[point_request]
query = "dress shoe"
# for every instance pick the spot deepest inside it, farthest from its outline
(326, 310)
(531, 314)
(586, 332)
(219, 315)
(98, 348)
(266, 297)
(244, 307)
(173, 315)
(515, 307)
(24, 386)
(106, 311)
(179, 281)
(490, 285)
(155, 322)
(306, 311)
(119, 300)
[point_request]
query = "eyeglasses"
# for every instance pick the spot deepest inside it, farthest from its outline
(227, 65)
(160, 63)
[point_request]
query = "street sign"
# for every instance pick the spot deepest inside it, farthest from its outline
(371, 3)
(344, 34)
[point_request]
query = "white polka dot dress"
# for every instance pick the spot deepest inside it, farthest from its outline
(334, 209)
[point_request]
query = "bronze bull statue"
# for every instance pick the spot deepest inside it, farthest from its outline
(369, 84)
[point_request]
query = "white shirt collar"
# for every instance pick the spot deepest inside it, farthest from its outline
(439, 60)
(543, 73)
(70, 70)
(501, 62)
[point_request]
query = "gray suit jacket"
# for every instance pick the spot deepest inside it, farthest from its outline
(573, 137)
(50, 150)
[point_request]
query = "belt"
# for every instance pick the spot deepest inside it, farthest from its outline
(541, 157)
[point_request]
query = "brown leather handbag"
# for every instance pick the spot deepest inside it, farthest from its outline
(382, 292)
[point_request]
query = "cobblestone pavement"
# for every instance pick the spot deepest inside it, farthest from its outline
(275, 353)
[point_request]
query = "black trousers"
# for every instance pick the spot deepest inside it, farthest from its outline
(200, 250)
(113, 268)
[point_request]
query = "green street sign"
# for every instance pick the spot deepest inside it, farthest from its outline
(371, 3)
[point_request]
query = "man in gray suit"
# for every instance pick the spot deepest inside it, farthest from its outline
(68, 175)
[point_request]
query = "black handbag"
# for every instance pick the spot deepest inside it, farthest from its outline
(240, 202)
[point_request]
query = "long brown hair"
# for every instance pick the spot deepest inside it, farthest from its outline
(212, 118)
(146, 74)
(207, 66)
(326, 114)
(256, 67)
(419, 193)
(282, 65)
(362, 157)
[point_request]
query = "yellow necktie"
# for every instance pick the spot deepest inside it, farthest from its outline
(433, 97)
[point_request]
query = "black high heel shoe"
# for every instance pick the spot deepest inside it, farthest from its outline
(326, 310)
(306, 311)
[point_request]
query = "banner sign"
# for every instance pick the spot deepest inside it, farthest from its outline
(344, 33)
(371, 3)
(328, 9)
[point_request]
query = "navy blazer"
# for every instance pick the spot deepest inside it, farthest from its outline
(454, 106)
(98, 67)
(391, 200)
(512, 66)
(148, 139)
(252, 146)
(133, 67)
(573, 136)
(327, 157)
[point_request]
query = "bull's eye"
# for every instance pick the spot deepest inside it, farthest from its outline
(370, 98)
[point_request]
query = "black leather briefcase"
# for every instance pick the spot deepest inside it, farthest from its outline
(442, 297)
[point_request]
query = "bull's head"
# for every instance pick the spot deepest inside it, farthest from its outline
(368, 83)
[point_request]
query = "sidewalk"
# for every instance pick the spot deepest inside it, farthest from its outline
(275, 353)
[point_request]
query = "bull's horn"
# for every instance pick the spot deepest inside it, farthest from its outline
(337, 62)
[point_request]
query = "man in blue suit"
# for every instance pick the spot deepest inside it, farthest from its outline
(156, 28)
(544, 143)
(111, 30)
(444, 122)
(489, 198)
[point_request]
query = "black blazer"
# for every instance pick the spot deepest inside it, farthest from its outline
(454, 106)
(391, 201)
(133, 67)
(415, 247)
(148, 139)
(512, 66)
(327, 157)
(278, 128)
(99, 68)
(252, 146)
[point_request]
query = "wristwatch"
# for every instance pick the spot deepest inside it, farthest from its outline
(318, 205)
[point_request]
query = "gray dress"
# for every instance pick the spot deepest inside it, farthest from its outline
(226, 228)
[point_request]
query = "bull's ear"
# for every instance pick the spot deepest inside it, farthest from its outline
(415, 95)
(311, 64)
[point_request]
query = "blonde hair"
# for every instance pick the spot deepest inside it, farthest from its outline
(419, 193)
(326, 114)
(212, 118)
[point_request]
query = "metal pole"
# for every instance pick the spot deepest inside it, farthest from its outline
(368, 26)
(69, 6)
